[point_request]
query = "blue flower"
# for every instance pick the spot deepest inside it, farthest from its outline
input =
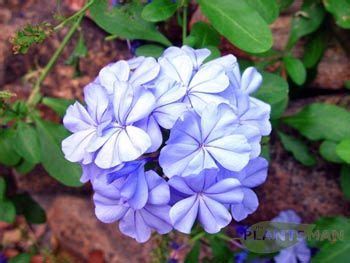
(249, 109)
(202, 197)
(298, 252)
(86, 124)
(202, 142)
(253, 175)
(136, 222)
(183, 66)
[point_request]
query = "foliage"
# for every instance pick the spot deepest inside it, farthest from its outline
(27, 140)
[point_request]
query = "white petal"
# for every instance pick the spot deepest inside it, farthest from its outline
(209, 80)
(145, 72)
(184, 213)
(251, 80)
(74, 147)
(232, 152)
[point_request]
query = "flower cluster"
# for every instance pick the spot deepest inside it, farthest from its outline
(194, 121)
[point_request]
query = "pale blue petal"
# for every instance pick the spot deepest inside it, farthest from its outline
(157, 217)
(177, 68)
(251, 80)
(135, 62)
(168, 114)
(159, 193)
(286, 256)
(77, 118)
(135, 189)
(151, 127)
(248, 206)
(174, 159)
(232, 151)
(212, 215)
(209, 80)
(197, 55)
(180, 184)
(216, 121)
(133, 225)
(74, 147)
(225, 191)
(146, 71)
(184, 213)
(97, 103)
(255, 173)
(143, 104)
(118, 71)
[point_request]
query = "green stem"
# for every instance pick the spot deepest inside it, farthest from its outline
(184, 23)
(34, 96)
(77, 14)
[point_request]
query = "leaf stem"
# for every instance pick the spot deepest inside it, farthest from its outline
(34, 96)
(77, 14)
(184, 22)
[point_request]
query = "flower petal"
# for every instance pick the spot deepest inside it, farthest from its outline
(184, 213)
(232, 151)
(74, 147)
(209, 80)
(133, 225)
(251, 80)
(225, 191)
(248, 206)
(77, 118)
(157, 217)
(146, 71)
(159, 193)
(212, 215)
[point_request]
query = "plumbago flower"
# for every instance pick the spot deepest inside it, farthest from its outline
(298, 252)
(210, 161)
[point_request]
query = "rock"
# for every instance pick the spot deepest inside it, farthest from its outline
(73, 222)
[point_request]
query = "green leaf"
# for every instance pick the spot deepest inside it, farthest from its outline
(149, 51)
(24, 167)
(2, 188)
(274, 91)
(220, 250)
(203, 35)
(8, 155)
(343, 150)
(125, 21)
(321, 121)
(284, 4)
(55, 164)
(345, 181)
(214, 53)
(27, 206)
(333, 252)
(327, 151)
(298, 149)
(239, 23)
(314, 50)
(324, 224)
(21, 258)
(80, 51)
(306, 21)
(340, 9)
(58, 105)
(27, 143)
(193, 255)
(268, 9)
(295, 69)
(159, 10)
(7, 211)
